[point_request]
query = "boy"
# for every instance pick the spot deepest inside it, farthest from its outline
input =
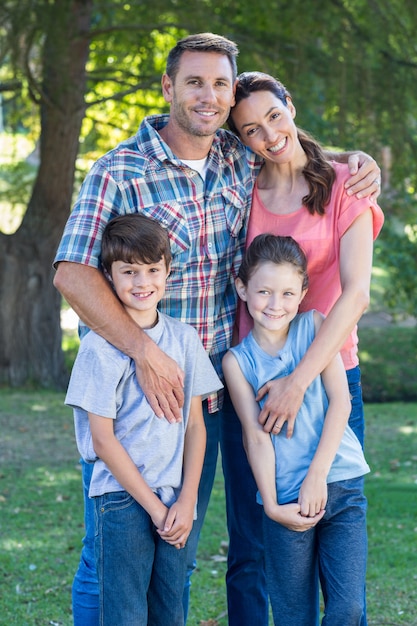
(146, 470)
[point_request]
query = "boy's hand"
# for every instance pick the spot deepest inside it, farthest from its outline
(178, 525)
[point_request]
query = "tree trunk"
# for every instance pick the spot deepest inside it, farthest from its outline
(30, 331)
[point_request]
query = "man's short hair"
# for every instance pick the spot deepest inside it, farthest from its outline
(202, 42)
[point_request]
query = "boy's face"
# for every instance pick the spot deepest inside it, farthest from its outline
(140, 286)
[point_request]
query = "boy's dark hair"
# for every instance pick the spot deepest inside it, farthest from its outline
(201, 42)
(267, 248)
(134, 238)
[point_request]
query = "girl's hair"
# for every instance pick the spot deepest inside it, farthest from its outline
(134, 238)
(267, 248)
(318, 171)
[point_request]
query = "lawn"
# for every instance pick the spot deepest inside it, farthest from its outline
(41, 517)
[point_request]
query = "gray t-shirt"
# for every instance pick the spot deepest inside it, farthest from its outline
(103, 382)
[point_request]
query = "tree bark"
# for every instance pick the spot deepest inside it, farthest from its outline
(30, 331)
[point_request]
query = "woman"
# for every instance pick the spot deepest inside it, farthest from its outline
(299, 193)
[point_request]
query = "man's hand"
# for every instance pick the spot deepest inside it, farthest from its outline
(365, 176)
(162, 382)
(282, 405)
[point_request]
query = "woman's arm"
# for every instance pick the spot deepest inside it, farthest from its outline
(286, 394)
(313, 493)
(88, 292)
(117, 459)
(179, 521)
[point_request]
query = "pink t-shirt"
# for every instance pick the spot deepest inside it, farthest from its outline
(319, 236)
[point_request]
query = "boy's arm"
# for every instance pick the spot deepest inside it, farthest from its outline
(179, 521)
(259, 449)
(313, 493)
(117, 459)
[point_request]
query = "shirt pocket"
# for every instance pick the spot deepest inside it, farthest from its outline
(171, 217)
(235, 204)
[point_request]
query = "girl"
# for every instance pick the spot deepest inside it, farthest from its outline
(310, 484)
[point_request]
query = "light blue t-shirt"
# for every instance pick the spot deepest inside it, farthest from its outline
(293, 456)
(103, 381)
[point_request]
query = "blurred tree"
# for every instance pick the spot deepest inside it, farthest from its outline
(89, 70)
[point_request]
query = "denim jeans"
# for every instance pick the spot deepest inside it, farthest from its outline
(141, 577)
(336, 547)
(247, 598)
(85, 604)
(356, 418)
(212, 422)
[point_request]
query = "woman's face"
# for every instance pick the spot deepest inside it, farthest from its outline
(266, 125)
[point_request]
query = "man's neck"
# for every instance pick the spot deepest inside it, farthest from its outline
(185, 146)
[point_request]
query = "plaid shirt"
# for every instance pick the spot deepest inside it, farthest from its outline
(206, 222)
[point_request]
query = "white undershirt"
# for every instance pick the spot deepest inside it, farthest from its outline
(199, 165)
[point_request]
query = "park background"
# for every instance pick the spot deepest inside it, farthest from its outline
(76, 77)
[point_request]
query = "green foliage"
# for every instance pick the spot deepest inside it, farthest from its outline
(351, 65)
(388, 361)
(396, 251)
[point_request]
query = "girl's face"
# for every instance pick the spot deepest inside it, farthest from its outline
(272, 295)
(266, 125)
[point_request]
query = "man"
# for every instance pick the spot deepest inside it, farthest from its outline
(194, 178)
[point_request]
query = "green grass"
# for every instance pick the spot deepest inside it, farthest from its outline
(41, 517)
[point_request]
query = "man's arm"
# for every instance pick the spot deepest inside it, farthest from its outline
(365, 173)
(89, 293)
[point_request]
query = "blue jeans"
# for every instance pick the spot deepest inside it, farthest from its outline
(212, 422)
(356, 418)
(85, 603)
(247, 598)
(336, 547)
(141, 577)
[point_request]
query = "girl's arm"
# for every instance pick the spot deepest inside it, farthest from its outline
(313, 493)
(109, 449)
(259, 449)
(179, 521)
(286, 394)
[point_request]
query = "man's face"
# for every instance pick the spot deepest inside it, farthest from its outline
(201, 94)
